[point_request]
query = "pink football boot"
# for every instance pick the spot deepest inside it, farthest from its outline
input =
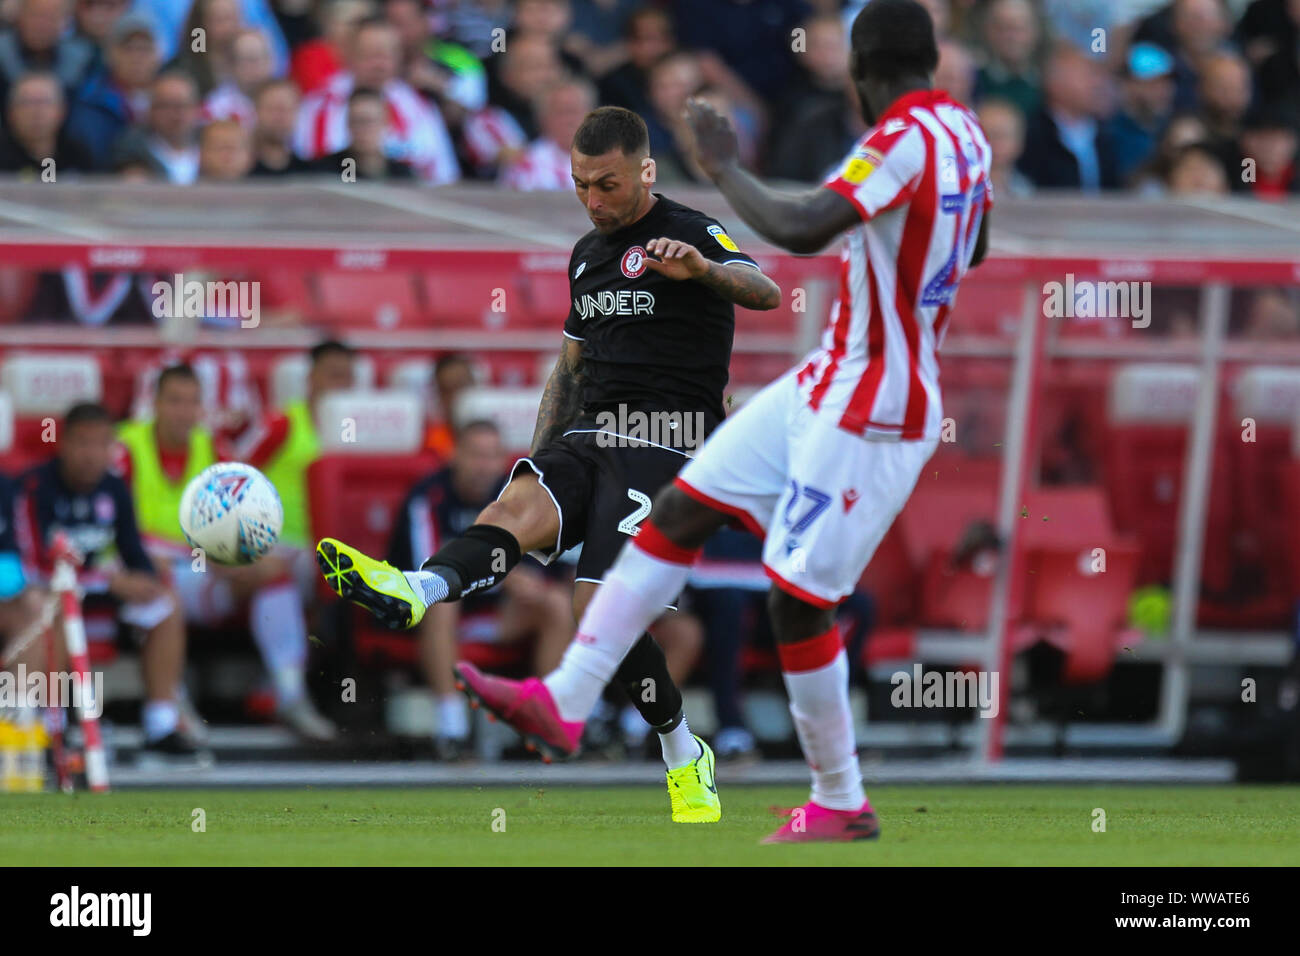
(527, 706)
(814, 823)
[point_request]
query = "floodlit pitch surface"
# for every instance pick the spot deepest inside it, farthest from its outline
(923, 825)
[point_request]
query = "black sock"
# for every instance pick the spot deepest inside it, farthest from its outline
(477, 560)
(644, 675)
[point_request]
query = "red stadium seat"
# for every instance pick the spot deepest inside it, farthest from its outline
(1084, 610)
(383, 300)
(1146, 444)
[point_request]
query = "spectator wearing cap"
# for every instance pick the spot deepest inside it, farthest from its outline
(1192, 31)
(1066, 146)
(251, 67)
(35, 143)
(417, 134)
(364, 156)
(276, 108)
(41, 42)
(169, 19)
(1010, 32)
(1269, 141)
(546, 164)
(110, 102)
(1147, 94)
(168, 142)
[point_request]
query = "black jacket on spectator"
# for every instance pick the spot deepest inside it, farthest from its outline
(812, 133)
(333, 164)
(295, 166)
(1048, 164)
(70, 156)
(753, 37)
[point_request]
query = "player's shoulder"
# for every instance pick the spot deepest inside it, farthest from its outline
(681, 214)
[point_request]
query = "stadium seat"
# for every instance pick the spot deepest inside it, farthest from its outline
(1270, 398)
(513, 409)
(49, 383)
(464, 297)
(943, 505)
(1150, 407)
(381, 300)
(371, 422)
(1079, 576)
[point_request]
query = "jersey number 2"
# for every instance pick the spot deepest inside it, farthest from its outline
(632, 523)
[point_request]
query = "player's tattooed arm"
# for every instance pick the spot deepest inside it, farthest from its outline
(743, 285)
(562, 398)
(803, 222)
(737, 282)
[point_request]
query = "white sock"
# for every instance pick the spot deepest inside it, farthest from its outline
(280, 632)
(635, 592)
(160, 718)
(453, 721)
(429, 587)
(680, 746)
(819, 703)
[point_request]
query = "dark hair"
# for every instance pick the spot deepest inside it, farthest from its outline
(364, 93)
(274, 83)
(330, 347)
(611, 127)
(448, 359)
(893, 39)
(181, 371)
(372, 22)
(86, 413)
(478, 425)
(646, 13)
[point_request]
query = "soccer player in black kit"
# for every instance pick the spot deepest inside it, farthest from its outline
(638, 384)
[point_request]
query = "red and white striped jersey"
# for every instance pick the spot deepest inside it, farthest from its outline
(544, 165)
(416, 135)
(919, 179)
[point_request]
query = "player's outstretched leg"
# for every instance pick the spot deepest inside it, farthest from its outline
(383, 590)
(816, 674)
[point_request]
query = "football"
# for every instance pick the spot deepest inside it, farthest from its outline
(232, 512)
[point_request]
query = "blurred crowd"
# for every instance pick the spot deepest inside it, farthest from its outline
(1191, 96)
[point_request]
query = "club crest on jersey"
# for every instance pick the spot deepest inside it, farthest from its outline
(633, 263)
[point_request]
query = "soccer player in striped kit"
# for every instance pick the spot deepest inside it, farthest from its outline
(823, 459)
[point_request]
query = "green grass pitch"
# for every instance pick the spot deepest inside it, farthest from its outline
(922, 825)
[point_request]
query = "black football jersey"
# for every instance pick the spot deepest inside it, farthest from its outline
(649, 342)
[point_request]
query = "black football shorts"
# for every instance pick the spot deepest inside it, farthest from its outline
(603, 487)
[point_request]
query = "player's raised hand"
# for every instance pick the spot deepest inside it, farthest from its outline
(675, 259)
(715, 138)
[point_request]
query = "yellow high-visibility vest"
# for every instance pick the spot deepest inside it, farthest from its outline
(156, 497)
